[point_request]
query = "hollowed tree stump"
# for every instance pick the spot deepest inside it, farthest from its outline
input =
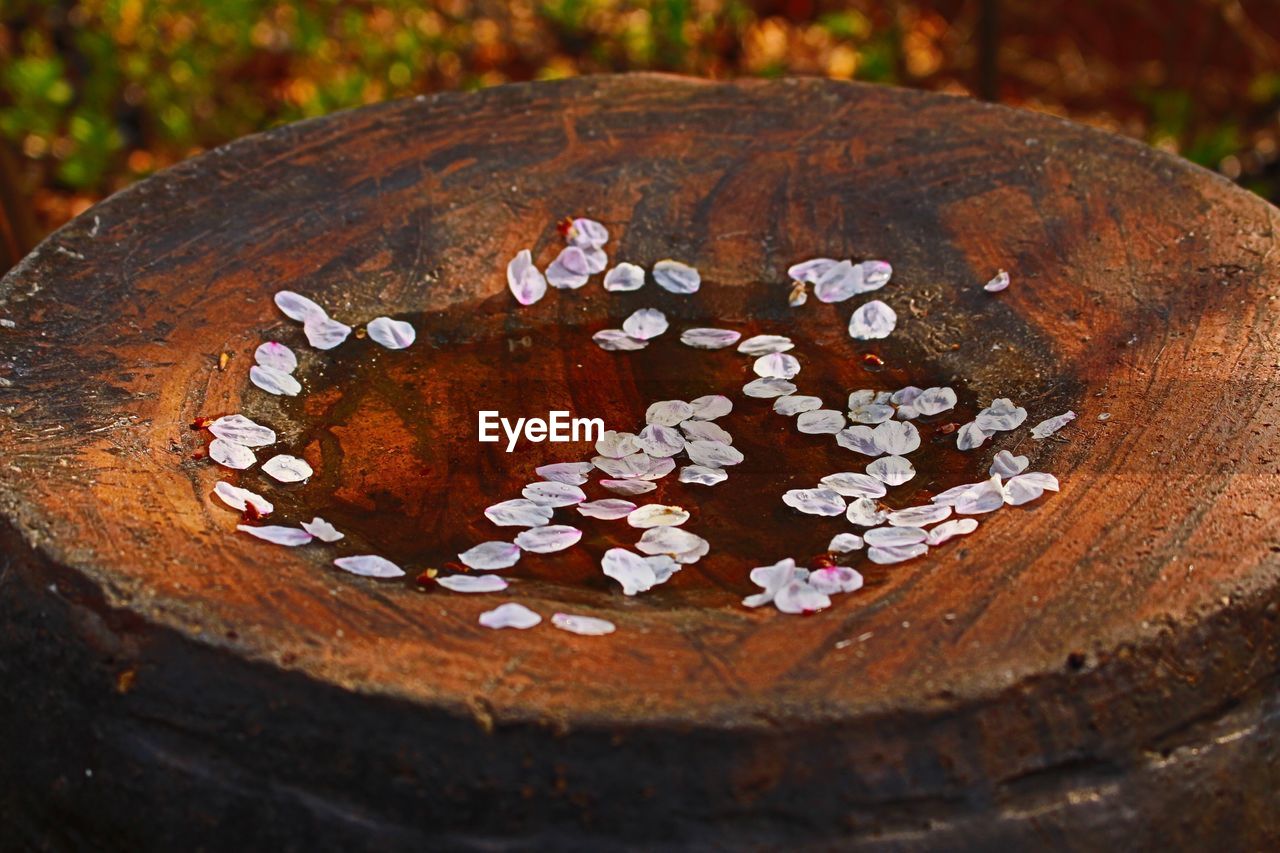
(1098, 669)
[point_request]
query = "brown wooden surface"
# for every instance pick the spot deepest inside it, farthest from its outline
(1102, 667)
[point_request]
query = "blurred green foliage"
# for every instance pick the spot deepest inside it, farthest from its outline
(96, 93)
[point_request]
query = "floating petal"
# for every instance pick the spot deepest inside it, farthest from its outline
(835, 579)
(241, 430)
(629, 569)
(526, 283)
(628, 486)
(509, 615)
(843, 543)
(766, 388)
(709, 338)
(657, 515)
(795, 404)
(713, 454)
(815, 501)
(471, 583)
(853, 484)
(864, 513)
(888, 556)
(392, 334)
(276, 356)
(519, 512)
(624, 277)
(586, 626)
(710, 407)
(273, 381)
(645, 324)
(231, 455)
(549, 539)
(897, 438)
(323, 530)
(616, 340)
(616, 445)
(676, 277)
(287, 469)
(776, 365)
(488, 556)
(950, 529)
(573, 473)
(892, 470)
(919, 516)
(765, 344)
(820, 422)
(241, 499)
(872, 321)
(369, 566)
(570, 270)
(324, 333)
(551, 493)
(277, 534)
(702, 475)
(608, 508)
(658, 440)
(297, 307)
(668, 412)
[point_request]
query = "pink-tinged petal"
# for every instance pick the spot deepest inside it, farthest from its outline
(657, 515)
(897, 438)
(838, 282)
(295, 306)
(810, 271)
(277, 534)
(548, 539)
(287, 469)
(510, 615)
(573, 473)
(705, 431)
(491, 556)
(241, 499)
(526, 283)
(709, 407)
(713, 454)
(586, 626)
(628, 486)
(676, 277)
(864, 512)
(668, 412)
(520, 512)
(1048, 427)
(815, 501)
(765, 344)
(860, 439)
(776, 365)
(820, 422)
(798, 596)
(853, 484)
(322, 530)
(228, 454)
(241, 430)
(570, 270)
(764, 389)
(369, 566)
(551, 493)
(587, 232)
(835, 579)
(645, 324)
(875, 274)
(324, 333)
(274, 382)
(661, 441)
(796, 404)
(392, 334)
(702, 475)
(950, 529)
(843, 543)
(624, 277)
(471, 583)
(609, 509)
(872, 321)
(629, 569)
(709, 338)
(616, 445)
(276, 356)
(616, 340)
(892, 470)
(889, 556)
(997, 284)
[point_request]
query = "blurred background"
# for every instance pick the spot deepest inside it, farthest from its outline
(95, 94)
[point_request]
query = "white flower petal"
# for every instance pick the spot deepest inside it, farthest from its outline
(657, 515)
(892, 470)
(795, 404)
(986, 496)
(934, 401)
(897, 438)
(585, 626)
(273, 381)
(815, 501)
(570, 270)
(551, 493)
(616, 340)
(676, 277)
(1048, 427)
(950, 529)
(872, 321)
(1002, 415)
(324, 333)
(709, 338)
(888, 556)
(1025, 488)
(675, 542)
(799, 597)
(838, 282)
(831, 580)
(389, 333)
(277, 534)
(853, 484)
(864, 513)
(241, 499)
(471, 583)
(668, 412)
(488, 556)
(629, 569)
(810, 271)
(231, 455)
(773, 578)
(241, 430)
(1005, 464)
(587, 233)
(767, 388)
(596, 259)
(705, 431)
(509, 615)
(893, 537)
(820, 422)
(276, 356)
(710, 406)
(573, 473)
(526, 283)
(919, 516)
(608, 508)
(519, 512)
(843, 543)
(658, 440)
(284, 468)
(323, 530)
(628, 486)
(549, 539)
(616, 445)
(875, 274)
(645, 324)
(297, 307)
(702, 475)
(776, 365)
(765, 344)
(859, 439)
(624, 277)
(997, 284)
(971, 436)
(713, 454)
(369, 566)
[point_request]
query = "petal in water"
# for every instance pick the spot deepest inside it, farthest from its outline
(835, 579)
(710, 407)
(815, 501)
(657, 515)
(1005, 464)
(1025, 488)
(519, 512)
(573, 473)
(551, 493)
(274, 382)
(702, 475)
(241, 499)
(897, 438)
(549, 539)
(527, 284)
(983, 497)
(276, 356)
(705, 431)
(810, 271)
(997, 284)
(616, 445)
(795, 404)
(324, 333)
(624, 277)
(277, 534)
(297, 307)
(713, 454)
(934, 401)
(798, 596)
(392, 334)
(1002, 415)
(509, 615)
(471, 583)
(659, 440)
(608, 508)
(950, 529)
(892, 470)
(369, 566)
(919, 516)
(645, 324)
(765, 344)
(489, 556)
(709, 338)
(675, 542)
(893, 537)
(570, 270)
(843, 543)
(628, 486)
(889, 556)
(765, 389)
(820, 422)
(864, 513)
(228, 454)
(587, 233)
(585, 626)
(971, 436)
(838, 282)
(859, 439)
(322, 530)
(629, 569)
(853, 484)
(872, 321)
(668, 412)
(776, 365)
(241, 430)
(771, 579)
(676, 277)
(616, 340)
(287, 469)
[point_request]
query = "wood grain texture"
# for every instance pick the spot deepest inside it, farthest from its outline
(1100, 669)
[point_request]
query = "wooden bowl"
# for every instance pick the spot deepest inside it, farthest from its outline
(1097, 667)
